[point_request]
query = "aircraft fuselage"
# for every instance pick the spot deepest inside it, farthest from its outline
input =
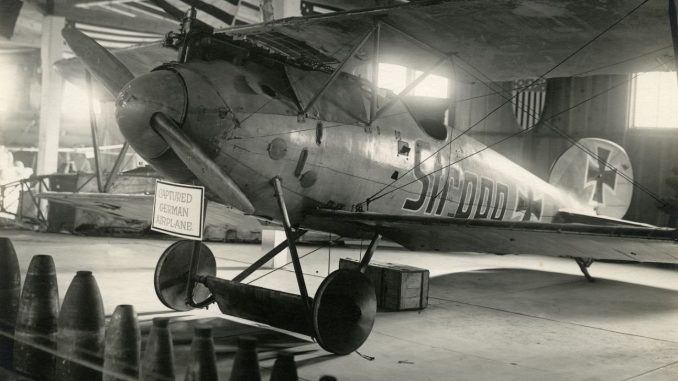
(246, 118)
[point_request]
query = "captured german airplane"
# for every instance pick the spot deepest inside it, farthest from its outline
(272, 120)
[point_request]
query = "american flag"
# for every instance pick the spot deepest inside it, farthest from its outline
(528, 101)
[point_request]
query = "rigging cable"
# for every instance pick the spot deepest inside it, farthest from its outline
(507, 137)
(589, 42)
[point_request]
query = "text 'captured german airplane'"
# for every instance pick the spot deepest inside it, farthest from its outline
(272, 121)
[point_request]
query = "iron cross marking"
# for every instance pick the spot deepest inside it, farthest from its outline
(601, 174)
(529, 206)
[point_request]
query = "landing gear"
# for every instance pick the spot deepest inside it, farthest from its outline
(584, 264)
(340, 316)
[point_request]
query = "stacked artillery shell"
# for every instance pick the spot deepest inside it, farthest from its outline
(10, 290)
(284, 368)
(203, 365)
(36, 325)
(81, 331)
(246, 362)
(122, 350)
(158, 364)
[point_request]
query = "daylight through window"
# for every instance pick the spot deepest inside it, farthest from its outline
(654, 103)
(396, 78)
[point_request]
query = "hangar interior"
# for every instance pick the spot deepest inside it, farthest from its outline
(78, 198)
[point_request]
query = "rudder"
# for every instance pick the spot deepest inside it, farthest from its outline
(597, 172)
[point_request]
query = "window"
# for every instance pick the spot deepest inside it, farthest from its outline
(75, 102)
(396, 78)
(8, 74)
(654, 100)
(435, 86)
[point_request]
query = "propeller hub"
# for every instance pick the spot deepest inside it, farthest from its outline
(158, 91)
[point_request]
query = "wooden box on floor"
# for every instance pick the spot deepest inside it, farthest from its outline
(398, 287)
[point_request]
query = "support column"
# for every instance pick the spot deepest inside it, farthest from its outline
(271, 239)
(463, 108)
(285, 8)
(51, 50)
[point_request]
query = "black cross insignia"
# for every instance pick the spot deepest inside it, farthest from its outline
(601, 174)
(529, 206)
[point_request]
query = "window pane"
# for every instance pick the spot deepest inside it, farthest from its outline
(392, 77)
(656, 100)
(395, 78)
(432, 86)
(8, 74)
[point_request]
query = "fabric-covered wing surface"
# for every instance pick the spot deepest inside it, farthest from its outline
(505, 39)
(140, 207)
(628, 243)
(139, 60)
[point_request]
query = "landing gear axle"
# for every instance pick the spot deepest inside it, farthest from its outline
(340, 316)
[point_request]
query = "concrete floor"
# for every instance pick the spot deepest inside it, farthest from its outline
(489, 317)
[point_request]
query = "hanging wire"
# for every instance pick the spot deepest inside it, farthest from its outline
(289, 263)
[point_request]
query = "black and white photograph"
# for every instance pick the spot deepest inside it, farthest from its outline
(247, 190)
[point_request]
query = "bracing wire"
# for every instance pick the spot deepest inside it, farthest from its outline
(328, 244)
(572, 140)
(561, 62)
(513, 135)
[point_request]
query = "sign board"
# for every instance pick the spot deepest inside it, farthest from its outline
(178, 209)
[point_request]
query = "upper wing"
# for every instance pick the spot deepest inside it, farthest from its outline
(620, 242)
(505, 39)
(139, 60)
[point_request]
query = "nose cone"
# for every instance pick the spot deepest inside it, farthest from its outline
(158, 91)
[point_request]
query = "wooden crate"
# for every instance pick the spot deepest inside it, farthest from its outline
(398, 287)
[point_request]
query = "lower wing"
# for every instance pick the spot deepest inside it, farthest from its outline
(140, 207)
(628, 242)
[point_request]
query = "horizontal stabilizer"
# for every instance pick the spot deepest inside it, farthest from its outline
(573, 217)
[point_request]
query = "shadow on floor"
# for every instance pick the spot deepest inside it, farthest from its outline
(544, 293)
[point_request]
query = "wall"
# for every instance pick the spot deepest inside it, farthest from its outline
(594, 106)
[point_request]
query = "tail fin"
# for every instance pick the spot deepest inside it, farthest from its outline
(597, 172)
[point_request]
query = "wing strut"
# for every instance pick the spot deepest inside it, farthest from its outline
(376, 112)
(673, 20)
(584, 264)
(336, 72)
(370, 252)
(277, 186)
(93, 129)
(116, 167)
(411, 86)
(375, 71)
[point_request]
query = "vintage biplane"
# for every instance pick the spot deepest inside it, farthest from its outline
(280, 121)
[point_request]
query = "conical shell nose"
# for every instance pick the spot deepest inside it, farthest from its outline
(10, 290)
(203, 365)
(83, 307)
(122, 350)
(246, 362)
(36, 325)
(81, 330)
(284, 368)
(10, 276)
(158, 364)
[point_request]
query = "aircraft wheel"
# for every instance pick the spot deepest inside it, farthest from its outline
(344, 310)
(171, 275)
